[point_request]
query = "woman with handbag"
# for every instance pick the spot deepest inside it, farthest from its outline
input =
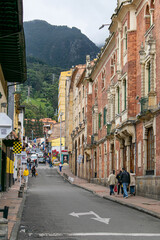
(112, 181)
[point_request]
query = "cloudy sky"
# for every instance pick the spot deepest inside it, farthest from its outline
(87, 15)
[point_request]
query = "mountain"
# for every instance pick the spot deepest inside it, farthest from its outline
(58, 46)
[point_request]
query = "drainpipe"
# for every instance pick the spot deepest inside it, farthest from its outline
(135, 159)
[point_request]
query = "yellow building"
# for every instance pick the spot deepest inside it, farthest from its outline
(61, 94)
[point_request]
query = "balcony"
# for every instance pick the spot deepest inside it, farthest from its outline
(144, 105)
(94, 139)
(109, 125)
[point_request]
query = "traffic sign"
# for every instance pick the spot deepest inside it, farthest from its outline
(5, 125)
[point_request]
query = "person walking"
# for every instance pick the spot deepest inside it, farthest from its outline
(125, 178)
(132, 183)
(112, 181)
(60, 167)
(119, 182)
(33, 171)
(25, 175)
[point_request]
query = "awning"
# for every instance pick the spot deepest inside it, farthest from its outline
(12, 43)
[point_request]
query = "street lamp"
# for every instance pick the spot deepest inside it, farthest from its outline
(103, 25)
(61, 114)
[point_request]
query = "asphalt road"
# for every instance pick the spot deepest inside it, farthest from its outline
(55, 209)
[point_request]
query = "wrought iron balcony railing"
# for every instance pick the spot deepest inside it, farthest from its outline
(144, 104)
(109, 128)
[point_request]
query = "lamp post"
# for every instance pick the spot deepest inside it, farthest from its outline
(103, 25)
(61, 114)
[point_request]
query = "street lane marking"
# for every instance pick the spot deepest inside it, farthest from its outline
(95, 234)
(97, 217)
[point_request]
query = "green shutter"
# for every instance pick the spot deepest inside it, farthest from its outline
(149, 77)
(118, 102)
(100, 120)
(104, 116)
(125, 95)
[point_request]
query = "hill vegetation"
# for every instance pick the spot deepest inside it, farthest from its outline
(50, 50)
(57, 45)
(40, 92)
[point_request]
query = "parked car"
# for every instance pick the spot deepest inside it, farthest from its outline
(33, 157)
(41, 160)
(40, 154)
(56, 162)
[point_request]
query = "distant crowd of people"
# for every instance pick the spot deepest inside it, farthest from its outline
(31, 167)
(125, 182)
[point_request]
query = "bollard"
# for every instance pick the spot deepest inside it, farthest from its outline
(3, 228)
(20, 194)
(22, 188)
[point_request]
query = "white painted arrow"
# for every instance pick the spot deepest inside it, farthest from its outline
(97, 217)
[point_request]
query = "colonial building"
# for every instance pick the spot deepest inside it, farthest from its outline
(123, 88)
(12, 72)
(61, 94)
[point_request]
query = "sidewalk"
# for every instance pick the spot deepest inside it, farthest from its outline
(147, 205)
(10, 198)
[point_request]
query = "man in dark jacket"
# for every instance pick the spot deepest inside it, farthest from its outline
(125, 179)
(119, 182)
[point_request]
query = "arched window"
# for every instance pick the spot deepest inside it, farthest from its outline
(147, 18)
(152, 11)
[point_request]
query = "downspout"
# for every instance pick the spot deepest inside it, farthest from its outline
(135, 159)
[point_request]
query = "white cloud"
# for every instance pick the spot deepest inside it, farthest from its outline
(87, 15)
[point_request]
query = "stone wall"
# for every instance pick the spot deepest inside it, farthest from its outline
(148, 186)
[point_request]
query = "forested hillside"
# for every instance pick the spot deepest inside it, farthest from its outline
(50, 50)
(40, 91)
(57, 45)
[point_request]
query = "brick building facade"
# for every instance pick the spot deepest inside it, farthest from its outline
(123, 100)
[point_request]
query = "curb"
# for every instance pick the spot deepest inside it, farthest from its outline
(140, 209)
(14, 233)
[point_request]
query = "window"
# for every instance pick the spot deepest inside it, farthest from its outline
(149, 77)
(83, 91)
(99, 121)
(96, 90)
(103, 78)
(118, 95)
(124, 95)
(79, 117)
(104, 116)
(113, 61)
(79, 97)
(150, 152)
(152, 11)
(83, 113)
(147, 18)
(125, 38)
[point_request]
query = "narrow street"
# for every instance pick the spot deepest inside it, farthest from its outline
(55, 209)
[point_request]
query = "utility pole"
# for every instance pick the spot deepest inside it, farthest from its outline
(60, 135)
(32, 135)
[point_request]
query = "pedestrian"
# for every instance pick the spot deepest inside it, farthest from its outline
(28, 160)
(33, 171)
(132, 183)
(119, 182)
(30, 165)
(60, 167)
(25, 175)
(112, 181)
(125, 178)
